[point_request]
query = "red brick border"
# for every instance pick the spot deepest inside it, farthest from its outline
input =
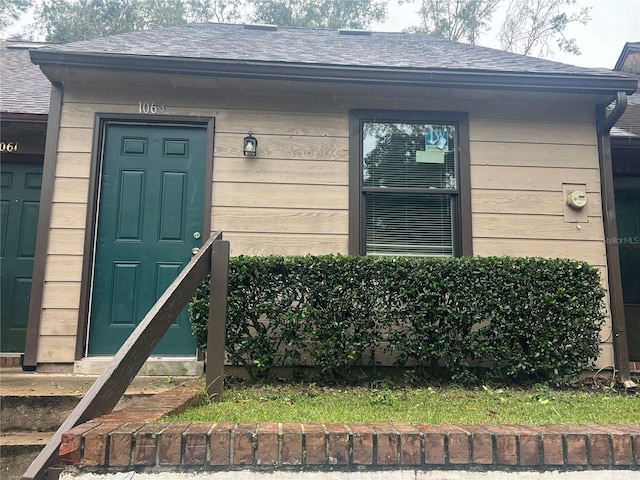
(187, 445)
(9, 361)
(123, 439)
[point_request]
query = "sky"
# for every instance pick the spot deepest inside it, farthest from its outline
(613, 23)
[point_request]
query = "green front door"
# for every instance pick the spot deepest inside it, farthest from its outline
(19, 203)
(150, 217)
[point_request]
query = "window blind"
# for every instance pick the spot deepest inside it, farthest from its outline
(408, 225)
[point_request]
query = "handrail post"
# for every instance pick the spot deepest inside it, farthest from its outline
(217, 318)
(107, 390)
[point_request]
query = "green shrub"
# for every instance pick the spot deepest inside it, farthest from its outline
(472, 318)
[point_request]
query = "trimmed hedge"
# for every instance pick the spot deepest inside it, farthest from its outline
(466, 319)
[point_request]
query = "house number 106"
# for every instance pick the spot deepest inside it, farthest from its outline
(146, 107)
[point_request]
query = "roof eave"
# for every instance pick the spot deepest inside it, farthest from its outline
(16, 116)
(452, 78)
(625, 143)
(626, 50)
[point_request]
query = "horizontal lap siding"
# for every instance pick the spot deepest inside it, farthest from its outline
(61, 295)
(283, 220)
(517, 173)
(293, 197)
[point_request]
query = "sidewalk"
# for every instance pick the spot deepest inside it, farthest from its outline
(15, 382)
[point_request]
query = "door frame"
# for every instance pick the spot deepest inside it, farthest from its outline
(100, 126)
(625, 149)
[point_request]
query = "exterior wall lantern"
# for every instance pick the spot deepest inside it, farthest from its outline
(250, 146)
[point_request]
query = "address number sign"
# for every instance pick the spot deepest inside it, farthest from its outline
(151, 107)
(8, 146)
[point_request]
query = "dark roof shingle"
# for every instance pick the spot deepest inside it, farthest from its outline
(629, 124)
(319, 47)
(23, 87)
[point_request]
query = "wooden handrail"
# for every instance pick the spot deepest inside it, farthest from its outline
(109, 387)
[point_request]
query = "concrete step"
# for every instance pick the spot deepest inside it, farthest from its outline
(28, 422)
(33, 406)
(154, 366)
(27, 413)
(18, 450)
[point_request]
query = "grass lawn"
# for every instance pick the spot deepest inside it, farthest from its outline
(287, 402)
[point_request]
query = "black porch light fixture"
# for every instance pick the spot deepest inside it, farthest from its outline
(250, 145)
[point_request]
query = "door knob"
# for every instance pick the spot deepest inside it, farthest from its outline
(194, 250)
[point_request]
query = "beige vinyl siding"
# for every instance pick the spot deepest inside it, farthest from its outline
(275, 171)
(57, 334)
(63, 270)
(70, 190)
(328, 222)
(68, 216)
(75, 140)
(56, 345)
(73, 165)
(287, 244)
(289, 147)
(532, 154)
(61, 294)
(517, 175)
(306, 98)
(55, 350)
(532, 202)
(293, 197)
(65, 242)
(533, 227)
(588, 251)
(58, 322)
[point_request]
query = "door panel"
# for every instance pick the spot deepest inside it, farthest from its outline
(172, 207)
(19, 204)
(130, 206)
(151, 202)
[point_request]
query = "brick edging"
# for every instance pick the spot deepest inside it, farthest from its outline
(129, 444)
(10, 361)
(125, 439)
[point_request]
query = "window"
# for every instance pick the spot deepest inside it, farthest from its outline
(409, 185)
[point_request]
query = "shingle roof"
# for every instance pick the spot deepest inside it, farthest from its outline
(629, 49)
(318, 47)
(629, 124)
(23, 87)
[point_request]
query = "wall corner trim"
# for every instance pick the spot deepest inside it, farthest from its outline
(618, 322)
(44, 222)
